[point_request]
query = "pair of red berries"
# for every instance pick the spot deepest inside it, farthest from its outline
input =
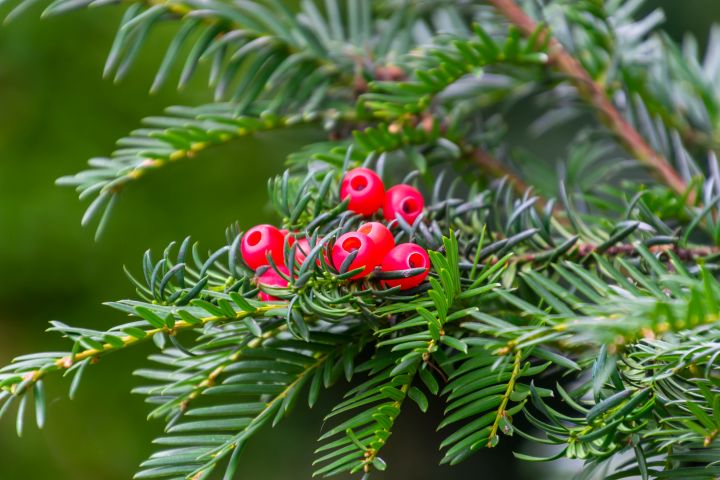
(366, 193)
(375, 246)
(373, 242)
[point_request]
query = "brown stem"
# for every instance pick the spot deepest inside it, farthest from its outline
(593, 93)
(496, 168)
(623, 249)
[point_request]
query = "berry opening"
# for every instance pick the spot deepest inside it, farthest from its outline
(254, 238)
(358, 183)
(409, 205)
(415, 260)
(351, 244)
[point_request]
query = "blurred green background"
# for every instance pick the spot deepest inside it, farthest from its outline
(55, 112)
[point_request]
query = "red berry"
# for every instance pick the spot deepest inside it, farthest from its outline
(368, 255)
(379, 234)
(260, 240)
(302, 250)
(403, 201)
(286, 235)
(365, 190)
(403, 257)
(271, 278)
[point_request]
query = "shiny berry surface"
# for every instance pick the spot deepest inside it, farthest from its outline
(379, 234)
(271, 278)
(258, 241)
(403, 201)
(288, 236)
(404, 257)
(302, 250)
(365, 190)
(368, 255)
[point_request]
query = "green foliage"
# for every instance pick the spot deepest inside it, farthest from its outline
(587, 321)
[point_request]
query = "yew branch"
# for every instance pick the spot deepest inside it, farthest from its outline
(593, 93)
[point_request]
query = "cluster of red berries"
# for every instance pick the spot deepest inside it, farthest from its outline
(372, 244)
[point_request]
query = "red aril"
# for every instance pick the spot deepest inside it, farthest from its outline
(368, 255)
(271, 278)
(259, 241)
(404, 257)
(365, 190)
(379, 234)
(403, 201)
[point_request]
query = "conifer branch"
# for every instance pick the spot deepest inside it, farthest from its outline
(612, 290)
(592, 92)
(585, 250)
(501, 414)
(184, 401)
(93, 354)
(184, 133)
(270, 409)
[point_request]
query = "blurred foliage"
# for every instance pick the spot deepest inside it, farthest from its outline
(50, 84)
